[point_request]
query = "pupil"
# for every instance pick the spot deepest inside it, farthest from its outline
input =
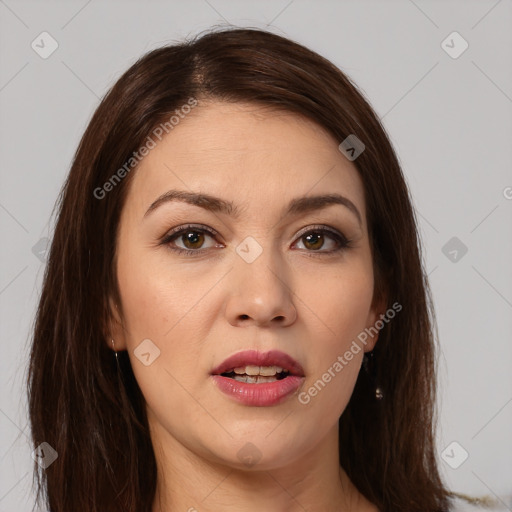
(317, 237)
(192, 238)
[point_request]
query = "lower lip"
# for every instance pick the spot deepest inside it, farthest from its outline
(259, 395)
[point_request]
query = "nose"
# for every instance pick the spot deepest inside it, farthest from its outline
(261, 293)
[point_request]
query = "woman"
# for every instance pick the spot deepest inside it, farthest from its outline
(234, 313)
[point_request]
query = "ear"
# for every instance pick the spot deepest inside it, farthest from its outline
(115, 329)
(377, 310)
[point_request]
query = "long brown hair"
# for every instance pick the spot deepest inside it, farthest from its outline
(92, 412)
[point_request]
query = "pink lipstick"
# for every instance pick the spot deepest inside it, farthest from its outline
(259, 379)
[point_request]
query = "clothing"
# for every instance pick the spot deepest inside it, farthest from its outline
(460, 505)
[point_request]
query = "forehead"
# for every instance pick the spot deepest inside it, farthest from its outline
(246, 152)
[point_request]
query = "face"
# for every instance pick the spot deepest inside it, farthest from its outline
(201, 282)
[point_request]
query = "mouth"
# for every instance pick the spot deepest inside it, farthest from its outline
(259, 379)
(252, 367)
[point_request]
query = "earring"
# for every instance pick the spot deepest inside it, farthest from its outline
(115, 351)
(370, 367)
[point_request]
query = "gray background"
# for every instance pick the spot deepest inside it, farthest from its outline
(449, 120)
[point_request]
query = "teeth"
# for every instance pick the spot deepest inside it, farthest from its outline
(254, 379)
(266, 371)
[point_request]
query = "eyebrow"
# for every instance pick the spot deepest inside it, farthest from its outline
(296, 206)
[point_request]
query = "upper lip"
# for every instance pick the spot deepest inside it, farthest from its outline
(255, 358)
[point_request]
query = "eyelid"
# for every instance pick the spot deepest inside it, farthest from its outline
(184, 227)
(318, 227)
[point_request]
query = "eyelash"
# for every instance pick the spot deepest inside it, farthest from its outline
(342, 241)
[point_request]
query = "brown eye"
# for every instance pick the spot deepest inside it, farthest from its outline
(192, 239)
(316, 239)
(189, 240)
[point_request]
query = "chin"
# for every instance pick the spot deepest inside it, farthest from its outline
(256, 453)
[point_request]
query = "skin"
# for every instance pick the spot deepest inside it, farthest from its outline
(199, 310)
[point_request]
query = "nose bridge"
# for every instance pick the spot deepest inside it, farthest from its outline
(261, 286)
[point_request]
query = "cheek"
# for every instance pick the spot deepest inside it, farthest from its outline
(339, 313)
(159, 305)
(341, 303)
(326, 394)
(157, 295)
(168, 307)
